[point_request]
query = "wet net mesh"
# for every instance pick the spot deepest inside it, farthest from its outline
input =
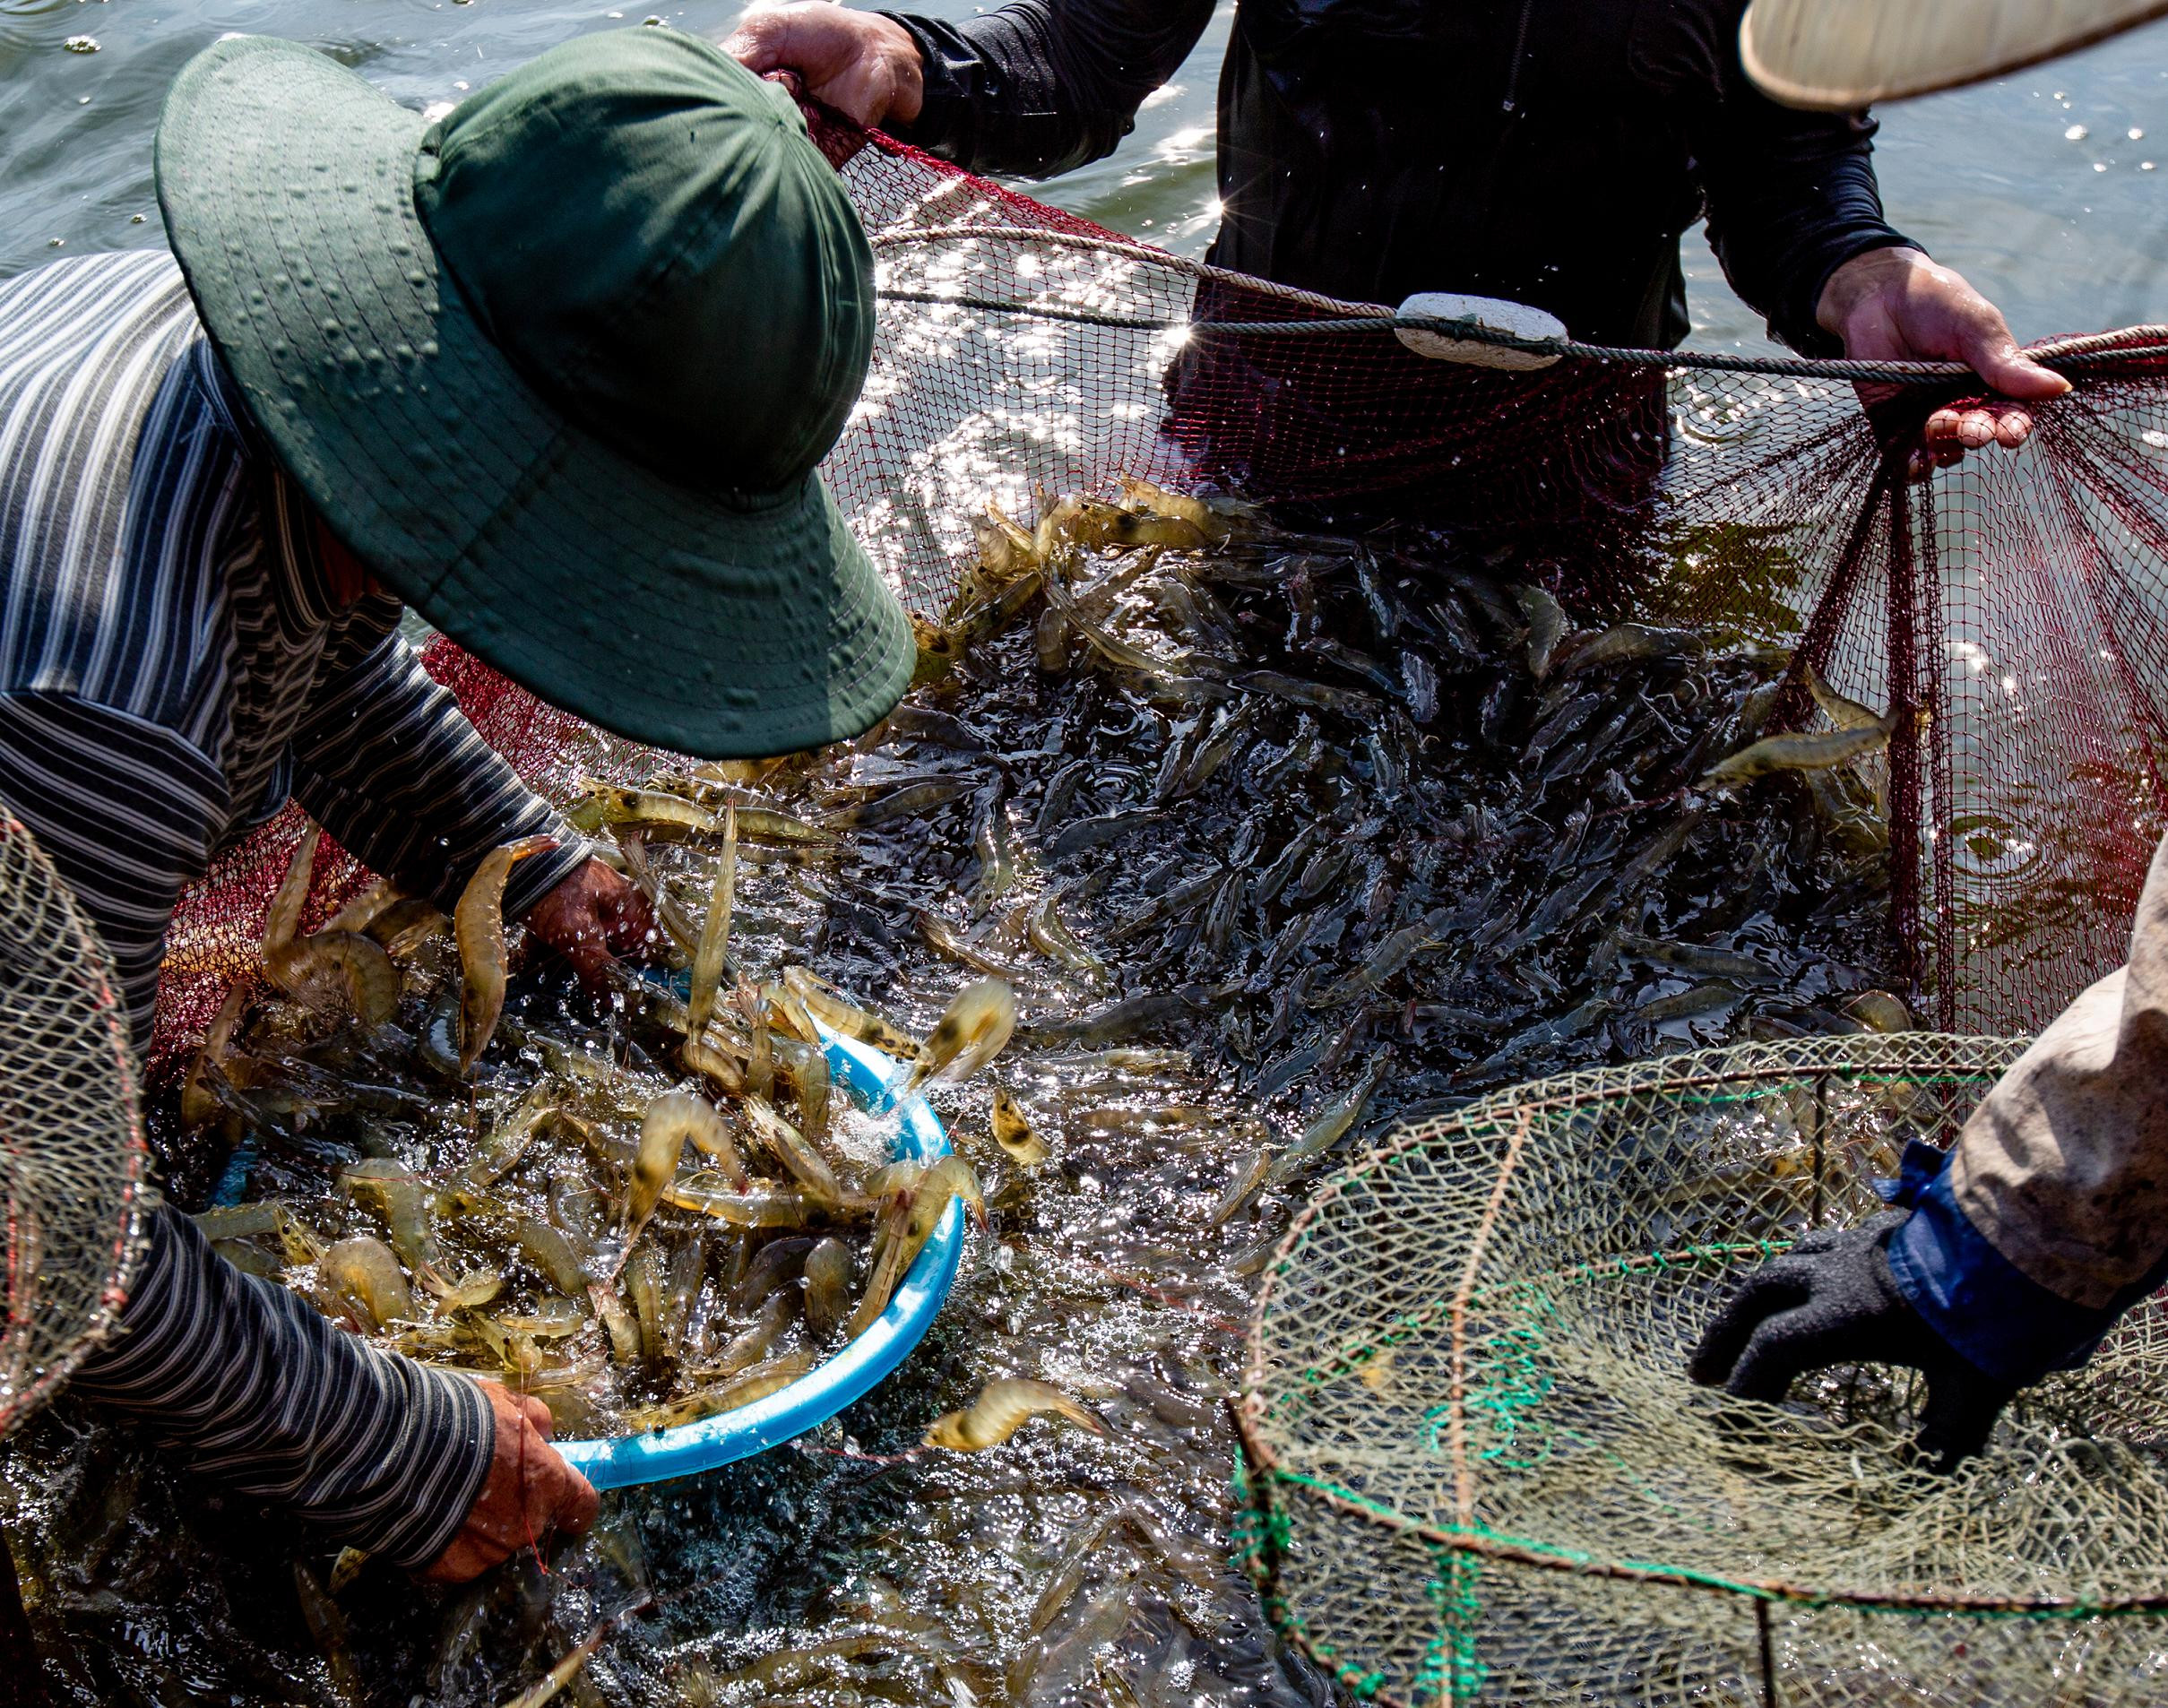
(1474, 1471)
(72, 1155)
(2014, 610)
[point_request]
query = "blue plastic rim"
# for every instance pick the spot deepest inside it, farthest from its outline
(659, 1454)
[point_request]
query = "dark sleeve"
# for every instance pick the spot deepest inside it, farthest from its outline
(386, 762)
(1041, 86)
(264, 1395)
(1792, 197)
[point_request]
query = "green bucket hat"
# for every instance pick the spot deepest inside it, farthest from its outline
(559, 369)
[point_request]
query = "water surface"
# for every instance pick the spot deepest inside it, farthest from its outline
(2045, 188)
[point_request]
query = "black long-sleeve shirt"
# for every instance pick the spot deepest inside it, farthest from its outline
(1549, 151)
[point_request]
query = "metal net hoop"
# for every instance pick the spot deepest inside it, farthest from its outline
(70, 1136)
(1474, 1469)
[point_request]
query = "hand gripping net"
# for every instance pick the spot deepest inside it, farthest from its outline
(2016, 608)
(1475, 1470)
(72, 1155)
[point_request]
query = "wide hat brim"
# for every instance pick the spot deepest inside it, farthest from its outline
(662, 614)
(1838, 55)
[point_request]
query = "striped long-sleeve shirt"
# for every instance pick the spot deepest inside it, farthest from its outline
(174, 663)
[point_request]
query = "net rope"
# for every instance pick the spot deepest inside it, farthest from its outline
(72, 1153)
(1473, 1467)
(2013, 609)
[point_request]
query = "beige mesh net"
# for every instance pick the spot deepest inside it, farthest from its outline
(72, 1155)
(1474, 1471)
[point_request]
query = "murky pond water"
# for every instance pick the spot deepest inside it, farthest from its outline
(1336, 817)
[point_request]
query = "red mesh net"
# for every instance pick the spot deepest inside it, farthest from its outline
(2018, 603)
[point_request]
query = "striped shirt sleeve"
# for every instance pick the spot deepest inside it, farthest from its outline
(155, 649)
(265, 1395)
(128, 811)
(246, 1379)
(386, 761)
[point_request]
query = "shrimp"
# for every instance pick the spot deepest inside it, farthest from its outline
(643, 1275)
(1050, 934)
(951, 1177)
(284, 919)
(760, 1060)
(689, 1116)
(887, 1265)
(406, 924)
(477, 923)
(813, 1088)
(360, 912)
(1249, 1177)
(469, 1292)
(1326, 1131)
(551, 1253)
(399, 1198)
(1879, 1011)
(318, 968)
(652, 811)
(623, 1331)
(828, 1271)
(336, 963)
(1013, 1130)
(668, 1121)
(1005, 550)
(200, 1102)
(971, 1034)
(364, 1276)
(759, 1207)
(704, 1058)
(800, 1159)
(770, 1323)
(713, 946)
(1846, 715)
(1215, 525)
(509, 1141)
(632, 845)
(829, 1006)
(938, 649)
(1820, 752)
(1003, 1406)
(327, 1627)
(740, 1390)
(681, 1278)
(913, 1200)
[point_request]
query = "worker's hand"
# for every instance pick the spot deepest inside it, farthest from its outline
(1831, 1299)
(865, 66)
(592, 917)
(1896, 304)
(529, 1491)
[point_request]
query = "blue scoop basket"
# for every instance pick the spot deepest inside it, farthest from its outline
(659, 1454)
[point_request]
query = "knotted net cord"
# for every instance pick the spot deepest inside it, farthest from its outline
(71, 1154)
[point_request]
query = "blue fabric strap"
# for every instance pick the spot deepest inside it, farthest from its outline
(1992, 1312)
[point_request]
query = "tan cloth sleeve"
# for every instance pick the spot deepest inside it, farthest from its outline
(2064, 1167)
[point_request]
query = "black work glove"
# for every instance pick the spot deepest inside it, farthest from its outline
(1831, 1299)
